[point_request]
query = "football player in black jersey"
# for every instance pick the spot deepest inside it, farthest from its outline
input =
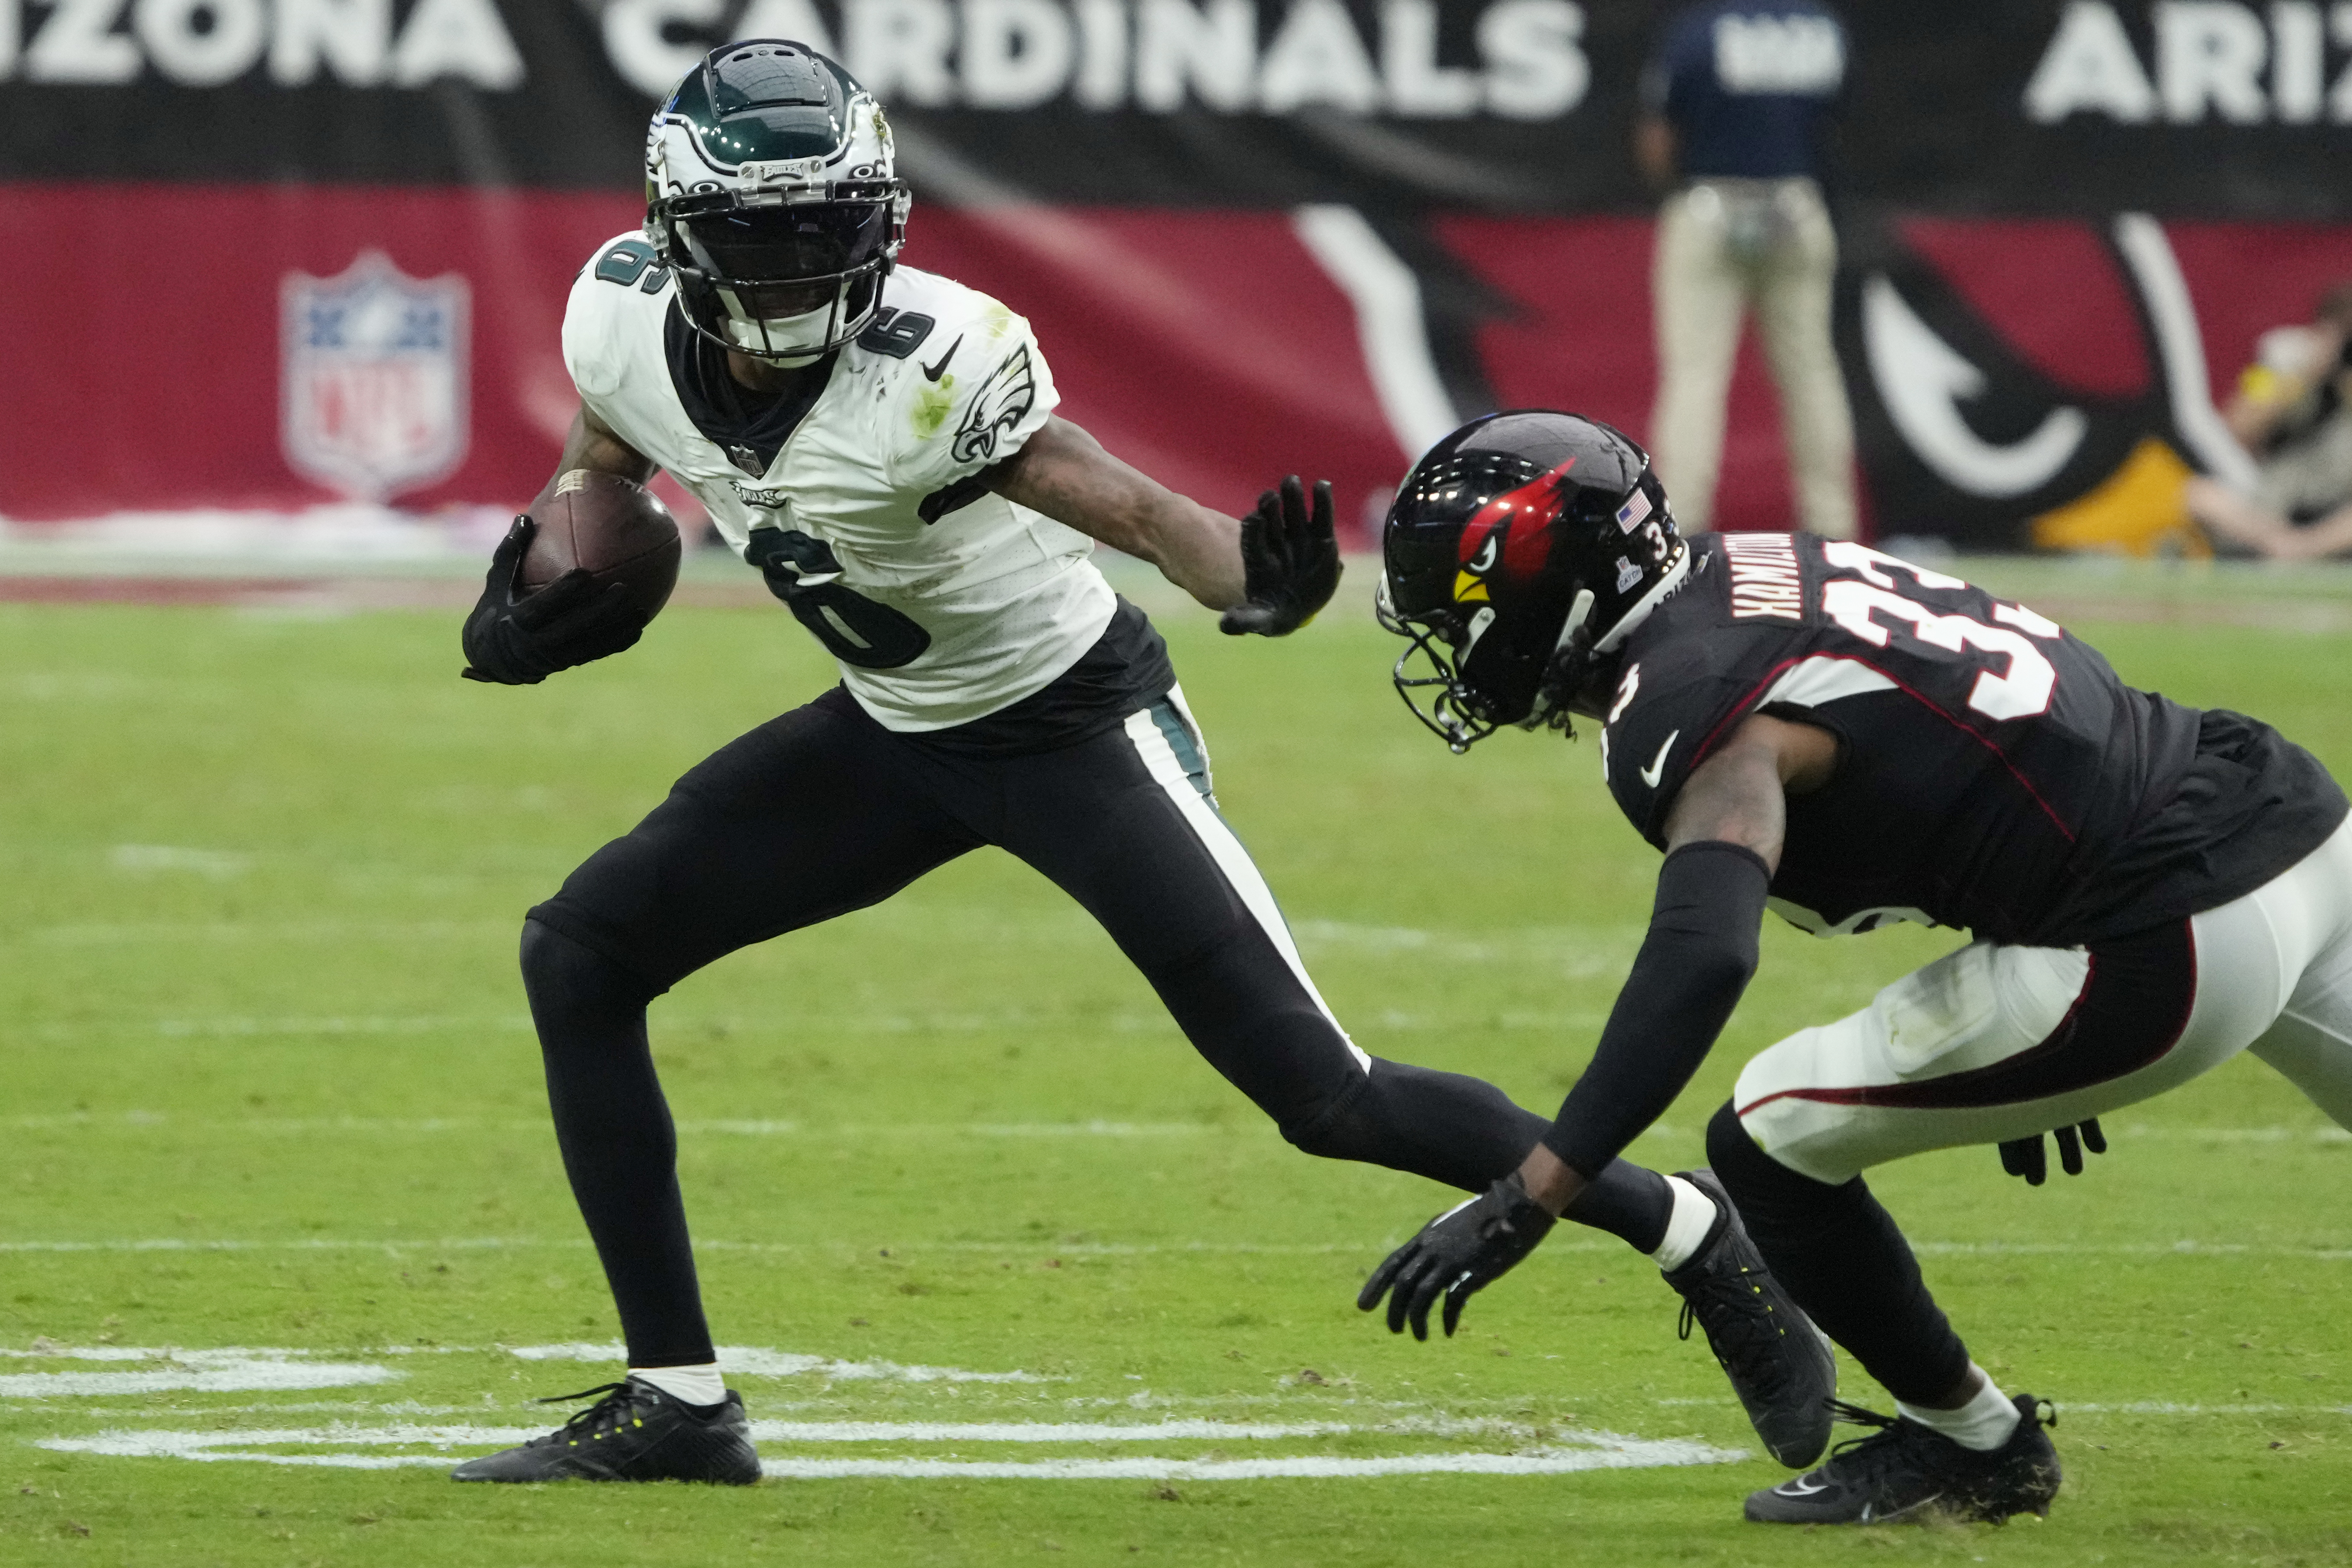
(1813, 726)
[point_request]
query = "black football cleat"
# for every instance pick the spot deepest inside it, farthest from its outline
(1779, 1364)
(635, 1433)
(1907, 1474)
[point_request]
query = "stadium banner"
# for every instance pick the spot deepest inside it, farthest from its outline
(272, 253)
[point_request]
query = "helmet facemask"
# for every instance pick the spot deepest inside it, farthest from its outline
(1455, 714)
(1462, 711)
(785, 281)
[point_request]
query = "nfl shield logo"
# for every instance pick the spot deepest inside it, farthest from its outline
(373, 392)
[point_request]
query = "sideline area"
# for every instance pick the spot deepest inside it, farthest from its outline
(334, 560)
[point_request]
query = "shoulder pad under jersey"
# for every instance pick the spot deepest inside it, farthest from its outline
(615, 314)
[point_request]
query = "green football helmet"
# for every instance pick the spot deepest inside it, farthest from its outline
(772, 195)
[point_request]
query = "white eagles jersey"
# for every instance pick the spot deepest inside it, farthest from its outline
(981, 602)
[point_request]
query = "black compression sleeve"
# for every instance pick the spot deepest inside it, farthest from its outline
(1687, 978)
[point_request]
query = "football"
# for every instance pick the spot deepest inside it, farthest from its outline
(618, 532)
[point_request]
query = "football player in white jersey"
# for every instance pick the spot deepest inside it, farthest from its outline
(882, 444)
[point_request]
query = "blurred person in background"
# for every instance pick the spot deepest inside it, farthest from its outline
(1735, 105)
(2292, 411)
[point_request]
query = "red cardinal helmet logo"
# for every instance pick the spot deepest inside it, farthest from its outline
(1529, 511)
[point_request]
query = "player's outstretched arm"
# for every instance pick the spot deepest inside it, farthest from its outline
(512, 638)
(1270, 571)
(1723, 842)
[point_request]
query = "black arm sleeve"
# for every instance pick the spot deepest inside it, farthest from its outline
(1692, 968)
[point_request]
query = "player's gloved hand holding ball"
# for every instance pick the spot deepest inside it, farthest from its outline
(1456, 1255)
(1292, 560)
(578, 577)
(519, 636)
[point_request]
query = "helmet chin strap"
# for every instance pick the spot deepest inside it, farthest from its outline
(1572, 656)
(1580, 611)
(1577, 613)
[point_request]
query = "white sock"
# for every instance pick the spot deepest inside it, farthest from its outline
(1686, 1228)
(1983, 1423)
(692, 1384)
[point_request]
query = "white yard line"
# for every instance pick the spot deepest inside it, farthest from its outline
(216, 1374)
(237, 1369)
(348, 1409)
(2093, 1407)
(1592, 1450)
(2329, 1134)
(1370, 1249)
(2183, 1248)
(1631, 1454)
(753, 1361)
(298, 1244)
(784, 1127)
(2169, 1408)
(130, 933)
(1178, 1429)
(745, 1127)
(372, 1024)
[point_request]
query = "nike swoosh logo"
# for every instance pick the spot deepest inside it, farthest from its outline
(1657, 768)
(1804, 1486)
(932, 372)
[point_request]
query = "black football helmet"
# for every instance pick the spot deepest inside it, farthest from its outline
(771, 192)
(1520, 549)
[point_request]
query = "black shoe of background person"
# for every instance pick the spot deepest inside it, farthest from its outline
(1907, 1474)
(1779, 1364)
(635, 1433)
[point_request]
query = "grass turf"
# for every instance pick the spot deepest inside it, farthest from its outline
(271, 1085)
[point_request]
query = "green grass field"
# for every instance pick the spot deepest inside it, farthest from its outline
(277, 1184)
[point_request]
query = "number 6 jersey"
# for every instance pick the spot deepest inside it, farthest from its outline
(943, 601)
(1993, 773)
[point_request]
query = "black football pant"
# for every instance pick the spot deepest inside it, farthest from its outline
(823, 811)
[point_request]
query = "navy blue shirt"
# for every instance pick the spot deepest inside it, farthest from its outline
(1747, 85)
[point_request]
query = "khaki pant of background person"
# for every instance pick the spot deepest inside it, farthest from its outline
(1725, 247)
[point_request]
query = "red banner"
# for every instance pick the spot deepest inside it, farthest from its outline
(279, 346)
(1210, 348)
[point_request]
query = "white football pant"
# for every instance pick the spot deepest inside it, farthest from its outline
(2272, 973)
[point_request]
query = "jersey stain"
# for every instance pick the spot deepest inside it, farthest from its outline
(933, 406)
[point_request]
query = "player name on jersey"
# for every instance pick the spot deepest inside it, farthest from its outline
(1765, 578)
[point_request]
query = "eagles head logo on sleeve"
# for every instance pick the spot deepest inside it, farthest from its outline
(999, 406)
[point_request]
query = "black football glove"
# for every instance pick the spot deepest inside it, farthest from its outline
(2026, 1157)
(521, 639)
(1456, 1255)
(1291, 562)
